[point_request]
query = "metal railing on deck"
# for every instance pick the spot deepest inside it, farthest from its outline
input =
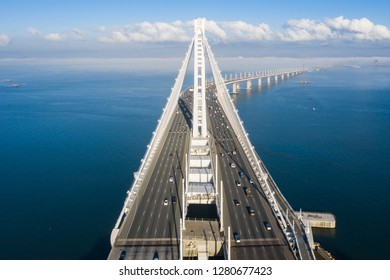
(263, 175)
(163, 122)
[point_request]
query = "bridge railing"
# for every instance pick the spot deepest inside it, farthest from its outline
(262, 174)
(155, 142)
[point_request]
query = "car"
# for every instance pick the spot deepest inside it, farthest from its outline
(165, 201)
(232, 165)
(267, 225)
(236, 202)
(171, 179)
(250, 181)
(122, 255)
(247, 191)
(237, 237)
(234, 153)
(173, 199)
(241, 174)
(238, 183)
(251, 211)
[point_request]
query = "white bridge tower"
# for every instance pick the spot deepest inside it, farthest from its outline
(200, 187)
(199, 125)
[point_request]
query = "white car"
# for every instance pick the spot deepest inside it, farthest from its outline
(165, 201)
(171, 179)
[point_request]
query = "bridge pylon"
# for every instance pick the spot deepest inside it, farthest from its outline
(200, 176)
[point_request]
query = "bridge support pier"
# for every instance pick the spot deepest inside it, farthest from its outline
(249, 84)
(282, 76)
(236, 87)
(259, 82)
(268, 80)
(276, 78)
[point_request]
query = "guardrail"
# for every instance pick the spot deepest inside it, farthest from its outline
(263, 175)
(163, 122)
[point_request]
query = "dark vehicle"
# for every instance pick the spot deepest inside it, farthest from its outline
(267, 225)
(173, 199)
(251, 211)
(247, 191)
(241, 174)
(122, 256)
(237, 237)
(236, 202)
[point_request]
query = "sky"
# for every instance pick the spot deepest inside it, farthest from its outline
(132, 29)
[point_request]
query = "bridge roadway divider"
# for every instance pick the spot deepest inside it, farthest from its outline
(298, 230)
(152, 148)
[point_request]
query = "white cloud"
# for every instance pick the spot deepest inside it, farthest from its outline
(305, 30)
(54, 37)
(32, 31)
(4, 40)
(362, 29)
(146, 32)
(294, 30)
(213, 28)
(243, 31)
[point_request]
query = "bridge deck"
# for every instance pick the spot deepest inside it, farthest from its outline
(155, 226)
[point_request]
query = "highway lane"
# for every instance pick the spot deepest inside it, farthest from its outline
(154, 220)
(263, 244)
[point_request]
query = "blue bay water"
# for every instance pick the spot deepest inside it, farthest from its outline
(335, 157)
(70, 142)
